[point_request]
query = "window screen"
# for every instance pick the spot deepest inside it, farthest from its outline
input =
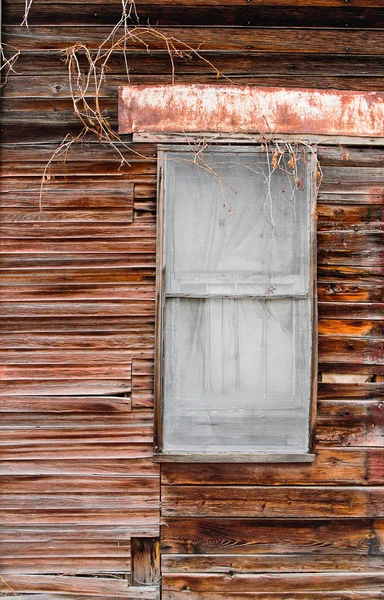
(236, 314)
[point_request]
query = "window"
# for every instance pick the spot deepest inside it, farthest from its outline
(235, 314)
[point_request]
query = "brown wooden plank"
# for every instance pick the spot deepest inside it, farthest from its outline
(349, 292)
(73, 372)
(76, 292)
(64, 216)
(65, 387)
(311, 67)
(145, 561)
(141, 489)
(343, 423)
(135, 243)
(235, 39)
(79, 309)
(353, 328)
(351, 310)
(331, 467)
(304, 582)
(140, 270)
(48, 341)
(358, 391)
(62, 405)
(128, 466)
(337, 349)
(67, 230)
(317, 3)
(278, 536)
(270, 563)
(78, 585)
(246, 501)
(64, 354)
(35, 86)
(82, 566)
(85, 516)
(340, 273)
(272, 16)
(348, 247)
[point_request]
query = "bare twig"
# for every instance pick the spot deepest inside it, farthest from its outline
(7, 64)
(28, 4)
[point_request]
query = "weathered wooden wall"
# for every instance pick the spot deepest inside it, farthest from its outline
(77, 324)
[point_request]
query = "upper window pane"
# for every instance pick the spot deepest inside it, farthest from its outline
(235, 225)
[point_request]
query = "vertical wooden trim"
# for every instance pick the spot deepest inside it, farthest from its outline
(159, 355)
(312, 183)
(145, 561)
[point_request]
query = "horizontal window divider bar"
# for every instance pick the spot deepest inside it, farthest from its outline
(238, 296)
(233, 457)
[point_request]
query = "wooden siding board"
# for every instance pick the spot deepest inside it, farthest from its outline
(78, 291)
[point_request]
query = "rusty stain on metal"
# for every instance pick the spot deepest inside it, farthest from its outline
(239, 109)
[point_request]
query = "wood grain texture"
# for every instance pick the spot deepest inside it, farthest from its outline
(77, 327)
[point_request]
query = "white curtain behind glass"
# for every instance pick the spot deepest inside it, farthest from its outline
(236, 370)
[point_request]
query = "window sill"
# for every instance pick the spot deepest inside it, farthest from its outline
(234, 458)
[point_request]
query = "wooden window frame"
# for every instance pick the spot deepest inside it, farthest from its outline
(227, 457)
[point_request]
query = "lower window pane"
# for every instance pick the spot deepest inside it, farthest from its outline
(236, 375)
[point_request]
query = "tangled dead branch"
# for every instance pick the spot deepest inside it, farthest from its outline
(7, 64)
(86, 84)
(87, 72)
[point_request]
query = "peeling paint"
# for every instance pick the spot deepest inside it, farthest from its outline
(244, 109)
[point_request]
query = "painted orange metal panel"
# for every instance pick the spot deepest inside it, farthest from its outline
(230, 109)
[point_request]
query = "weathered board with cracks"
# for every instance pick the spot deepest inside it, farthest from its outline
(77, 331)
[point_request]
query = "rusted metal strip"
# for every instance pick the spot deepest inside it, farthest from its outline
(230, 108)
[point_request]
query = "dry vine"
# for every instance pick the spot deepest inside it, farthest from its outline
(86, 86)
(7, 64)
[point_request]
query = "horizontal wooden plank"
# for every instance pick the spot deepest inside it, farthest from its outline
(353, 328)
(269, 563)
(68, 261)
(359, 391)
(47, 341)
(22, 534)
(82, 516)
(100, 447)
(64, 216)
(235, 39)
(351, 310)
(302, 583)
(337, 350)
(352, 424)
(318, 3)
(66, 230)
(140, 268)
(145, 489)
(280, 16)
(138, 241)
(246, 501)
(72, 372)
(310, 67)
(132, 325)
(35, 86)
(130, 502)
(342, 214)
(128, 466)
(340, 274)
(82, 566)
(331, 467)
(112, 405)
(223, 536)
(64, 354)
(65, 387)
(349, 292)
(78, 585)
(77, 309)
(75, 291)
